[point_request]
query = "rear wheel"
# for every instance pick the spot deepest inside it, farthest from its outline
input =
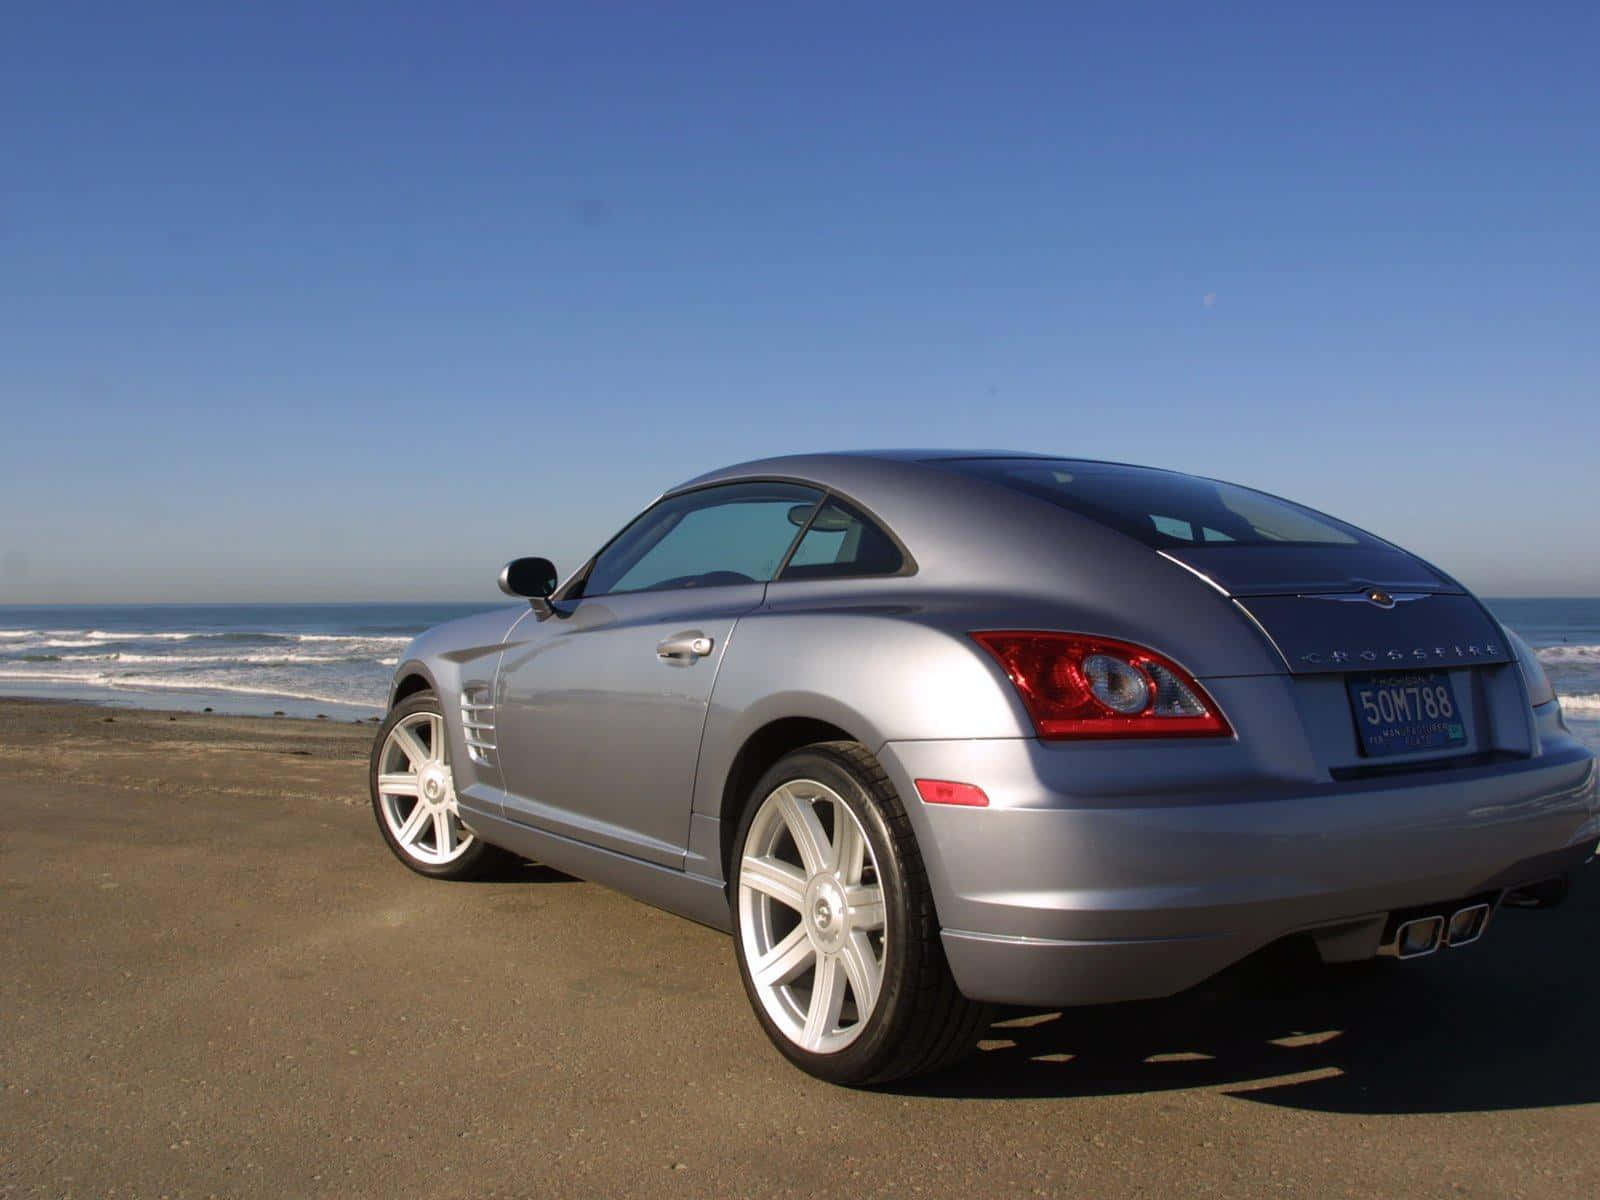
(414, 795)
(834, 926)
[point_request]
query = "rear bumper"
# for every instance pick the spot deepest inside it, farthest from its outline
(1052, 897)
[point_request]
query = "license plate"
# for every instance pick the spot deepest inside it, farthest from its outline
(1406, 712)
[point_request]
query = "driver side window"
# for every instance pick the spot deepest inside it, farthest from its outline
(713, 537)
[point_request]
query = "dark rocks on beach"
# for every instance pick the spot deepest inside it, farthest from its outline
(107, 720)
(322, 716)
(277, 712)
(208, 710)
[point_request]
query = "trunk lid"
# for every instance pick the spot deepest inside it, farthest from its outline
(1295, 570)
(1347, 609)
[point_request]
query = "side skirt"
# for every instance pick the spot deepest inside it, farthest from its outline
(693, 896)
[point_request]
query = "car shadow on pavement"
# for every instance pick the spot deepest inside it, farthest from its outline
(523, 871)
(1507, 1023)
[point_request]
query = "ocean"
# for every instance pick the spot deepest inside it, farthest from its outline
(336, 659)
(333, 660)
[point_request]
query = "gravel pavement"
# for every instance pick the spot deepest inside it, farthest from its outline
(216, 981)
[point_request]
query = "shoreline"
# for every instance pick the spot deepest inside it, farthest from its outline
(197, 701)
(198, 757)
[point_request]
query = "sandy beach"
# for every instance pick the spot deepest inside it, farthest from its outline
(217, 982)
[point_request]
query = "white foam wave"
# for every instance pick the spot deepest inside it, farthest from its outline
(381, 639)
(161, 683)
(169, 683)
(1565, 653)
(102, 635)
(258, 658)
(264, 658)
(54, 674)
(1581, 704)
(91, 637)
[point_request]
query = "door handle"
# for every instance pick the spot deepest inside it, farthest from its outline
(681, 646)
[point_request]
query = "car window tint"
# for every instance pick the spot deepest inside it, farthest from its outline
(708, 538)
(1183, 531)
(842, 543)
(1165, 508)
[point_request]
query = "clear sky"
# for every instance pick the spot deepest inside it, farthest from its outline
(355, 301)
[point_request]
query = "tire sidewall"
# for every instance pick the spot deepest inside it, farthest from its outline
(862, 1059)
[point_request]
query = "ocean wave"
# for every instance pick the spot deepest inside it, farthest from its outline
(1581, 704)
(383, 638)
(1566, 653)
(265, 658)
(169, 683)
(56, 675)
(94, 637)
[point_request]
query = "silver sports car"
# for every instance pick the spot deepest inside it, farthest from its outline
(929, 732)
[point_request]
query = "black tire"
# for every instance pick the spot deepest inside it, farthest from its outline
(921, 1022)
(479, 857)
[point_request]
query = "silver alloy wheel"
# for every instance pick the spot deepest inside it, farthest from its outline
(811, 916)
(417, 792)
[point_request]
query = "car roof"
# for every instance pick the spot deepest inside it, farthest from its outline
(819, 466)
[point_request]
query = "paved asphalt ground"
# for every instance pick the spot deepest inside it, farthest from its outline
(216, 981)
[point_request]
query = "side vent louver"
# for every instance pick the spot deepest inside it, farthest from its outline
(477, 723)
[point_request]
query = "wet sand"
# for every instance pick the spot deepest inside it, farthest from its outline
(217, 982)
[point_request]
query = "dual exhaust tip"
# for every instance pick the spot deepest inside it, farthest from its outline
(1423, 935)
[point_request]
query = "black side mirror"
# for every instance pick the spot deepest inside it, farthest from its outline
(531, 578)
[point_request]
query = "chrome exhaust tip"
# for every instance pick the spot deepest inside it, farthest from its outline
(1467, 926)
(1420, 937)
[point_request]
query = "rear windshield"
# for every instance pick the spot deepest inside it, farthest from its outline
(1164, 508)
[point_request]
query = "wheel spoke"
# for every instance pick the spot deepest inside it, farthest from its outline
(827, 1000)
(801, 819)
(444, 839)
(411, 827)
(770, 877)
(785, 960)
(436, 736)
(864, 971)
(413, 749)
(865, 905)
(849, 847)
(400, 784)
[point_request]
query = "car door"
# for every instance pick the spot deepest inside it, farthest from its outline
(601, 707)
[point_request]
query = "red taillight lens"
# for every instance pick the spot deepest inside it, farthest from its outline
(1087, 687)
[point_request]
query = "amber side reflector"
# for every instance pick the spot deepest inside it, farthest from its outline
(942, 791)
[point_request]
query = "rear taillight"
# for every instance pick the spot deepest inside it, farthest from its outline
(1075, 686)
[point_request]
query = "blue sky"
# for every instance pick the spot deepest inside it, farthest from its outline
(298, 304)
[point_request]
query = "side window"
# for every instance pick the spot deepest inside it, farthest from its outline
(843, 543)
(714, 537)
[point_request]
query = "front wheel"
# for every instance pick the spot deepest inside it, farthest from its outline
(834, 926)
(414, 794)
